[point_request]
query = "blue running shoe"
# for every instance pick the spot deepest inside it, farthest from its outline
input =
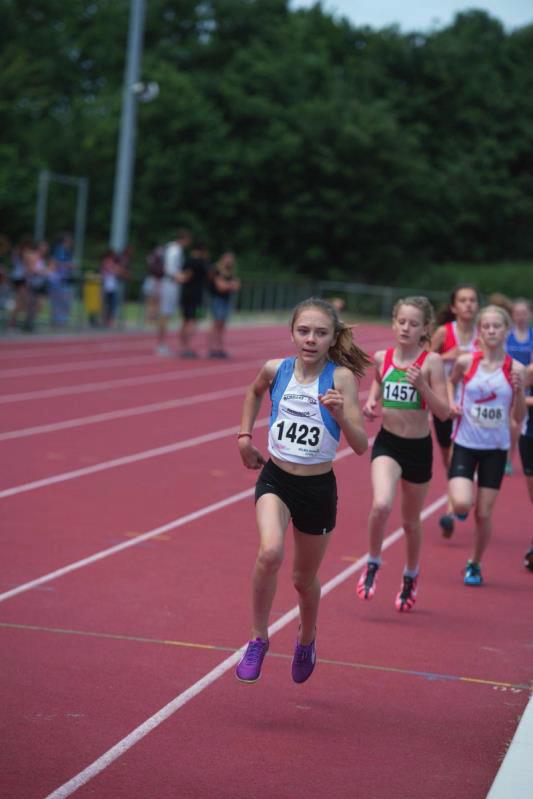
(446, 525)
(473, 574)
(303, 661)
(249, 667)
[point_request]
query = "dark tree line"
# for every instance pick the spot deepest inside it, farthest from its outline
(305, 142)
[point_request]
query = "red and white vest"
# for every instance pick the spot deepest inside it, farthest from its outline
(485, 399)
(451, 341)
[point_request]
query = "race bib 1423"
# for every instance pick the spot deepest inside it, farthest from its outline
(298, 438)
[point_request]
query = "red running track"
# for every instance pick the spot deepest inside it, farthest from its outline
(399, 706)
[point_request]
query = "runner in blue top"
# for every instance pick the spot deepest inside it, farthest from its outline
(519, 345)
(314, 397)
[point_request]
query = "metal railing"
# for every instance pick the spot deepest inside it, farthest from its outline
(257, 295)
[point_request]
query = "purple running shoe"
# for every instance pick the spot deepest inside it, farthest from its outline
(249, 666)
(303, 661)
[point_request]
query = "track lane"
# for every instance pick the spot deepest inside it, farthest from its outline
(386, 639)
(145, 573)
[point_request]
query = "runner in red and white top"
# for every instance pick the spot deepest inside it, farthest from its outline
(455, 335)
(409, 383)
(490, 392)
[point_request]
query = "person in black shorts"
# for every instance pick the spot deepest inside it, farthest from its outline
(456, 333)
(314, 396)
(409, 382)
(194, 276)
(486, 391)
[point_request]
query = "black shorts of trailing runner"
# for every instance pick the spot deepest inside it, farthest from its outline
(311, 500)
(525, 445)
(189, 309)
(414, 455)
(443, 431)
(490, 465)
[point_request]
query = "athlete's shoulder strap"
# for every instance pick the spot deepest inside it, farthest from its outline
(387, 361)
(507, 368)
(450, 339)
(281, 380)
(421, 358)
(477, 357)
(325, 381)
(284, 370)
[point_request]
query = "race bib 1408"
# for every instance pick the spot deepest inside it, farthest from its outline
(487, 417)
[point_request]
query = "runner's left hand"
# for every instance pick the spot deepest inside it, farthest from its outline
(333, 401)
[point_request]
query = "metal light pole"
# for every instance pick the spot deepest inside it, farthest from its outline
(126, 142)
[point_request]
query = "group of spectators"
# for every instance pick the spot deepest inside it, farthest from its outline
(31, 271)
(182, 276)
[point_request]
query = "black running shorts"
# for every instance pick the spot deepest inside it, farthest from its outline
(525, 444)
(443, 431)
(414, 455)
(312, 501)
(490, 465)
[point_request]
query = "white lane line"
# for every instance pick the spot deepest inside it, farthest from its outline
(514, 779)
(179, 701)
(104, 363)
(105, 553)
(78, 366)
(70, 339)
(122, 413)
(63, 391)
(84, 388)
(136, 457)
(145, 536)
(127, 344)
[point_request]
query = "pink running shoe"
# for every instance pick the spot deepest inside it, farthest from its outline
(249, 666)
(407, 597)
(366, 586)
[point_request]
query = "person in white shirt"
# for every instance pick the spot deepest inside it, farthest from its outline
(174, 258)
(490, 393)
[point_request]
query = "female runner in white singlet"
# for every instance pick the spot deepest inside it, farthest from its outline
(314, 397)
(491, 392)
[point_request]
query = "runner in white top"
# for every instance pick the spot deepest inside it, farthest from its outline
(491, 392)
(314, 398)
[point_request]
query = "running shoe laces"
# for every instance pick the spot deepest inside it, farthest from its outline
(249, 667)
(366, 586)
(303, 661)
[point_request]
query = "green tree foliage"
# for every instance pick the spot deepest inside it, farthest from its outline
(294, 137)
